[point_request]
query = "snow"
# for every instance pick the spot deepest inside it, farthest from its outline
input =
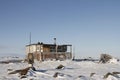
(73, 70)
(113, 60)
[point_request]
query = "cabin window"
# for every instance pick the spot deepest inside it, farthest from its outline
(38, 48)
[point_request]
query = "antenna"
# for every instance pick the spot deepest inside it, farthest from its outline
(55, 41)
(30, 55)
(29, 41)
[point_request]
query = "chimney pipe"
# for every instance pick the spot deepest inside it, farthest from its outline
(55, 41)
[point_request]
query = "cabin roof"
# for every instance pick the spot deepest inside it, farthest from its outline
(48, 44)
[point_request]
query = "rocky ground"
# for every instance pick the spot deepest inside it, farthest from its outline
(59, 70)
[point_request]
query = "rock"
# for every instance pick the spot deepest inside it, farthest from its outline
(21, 71)
(82, 77)
(106, 75)
(33, 68)
(60, 66)
(9, 69)
(105, 58)
(114, 74)
(92, 74)
(23, 77)
(55, 75)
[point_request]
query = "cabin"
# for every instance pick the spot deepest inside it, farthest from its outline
(42, 51)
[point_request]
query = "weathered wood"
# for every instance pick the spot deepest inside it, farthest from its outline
(30, 58)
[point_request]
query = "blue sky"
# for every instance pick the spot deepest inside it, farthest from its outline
(91, 26)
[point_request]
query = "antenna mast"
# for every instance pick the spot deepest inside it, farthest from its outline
(30, 41)
(30, 38)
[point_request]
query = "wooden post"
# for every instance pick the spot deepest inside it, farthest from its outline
(71, 51)
(56, 46)
(30, 59)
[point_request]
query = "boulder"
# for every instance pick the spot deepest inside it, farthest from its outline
(113, 74)
(105, 58)
(60, 66)
(21, 71)
(55, 75)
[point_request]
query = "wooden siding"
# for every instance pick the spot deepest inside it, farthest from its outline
(49, 51)
(52, 55)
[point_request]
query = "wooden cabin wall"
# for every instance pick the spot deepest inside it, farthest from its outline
(37, 56)
(46, 49)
